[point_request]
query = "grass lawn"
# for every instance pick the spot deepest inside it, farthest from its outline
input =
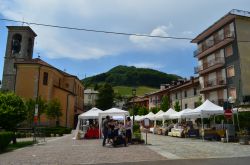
(18, 145)
(127, 91)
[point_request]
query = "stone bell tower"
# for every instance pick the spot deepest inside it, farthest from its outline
(20, 44)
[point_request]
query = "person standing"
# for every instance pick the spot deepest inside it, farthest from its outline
(105, 129)
(128, 127)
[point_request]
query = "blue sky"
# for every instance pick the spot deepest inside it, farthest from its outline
(86, 53)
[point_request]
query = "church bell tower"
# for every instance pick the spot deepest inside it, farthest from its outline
(20, 44)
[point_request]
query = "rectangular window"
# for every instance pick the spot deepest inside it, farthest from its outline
(230, 71)
(185, 93)
(89, 97)
(228, 51)
(176, 96)
(45, 78)
(195, 91)
(186, 106)
(232, 92)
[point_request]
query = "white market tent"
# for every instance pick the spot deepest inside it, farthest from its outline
(205, 110)
(138, 118)
(179, 115)
(91, 114)
(150, 115)
(158, 114)
(169, 112)
(111, 112)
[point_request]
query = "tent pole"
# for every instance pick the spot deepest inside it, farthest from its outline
(202, 125)
(154, 126)
(238, 119)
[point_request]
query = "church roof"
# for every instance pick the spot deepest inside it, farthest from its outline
(43, 63)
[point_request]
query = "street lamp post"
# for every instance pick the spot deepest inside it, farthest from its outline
(134, 94)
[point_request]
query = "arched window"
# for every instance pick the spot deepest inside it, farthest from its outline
(16, 43)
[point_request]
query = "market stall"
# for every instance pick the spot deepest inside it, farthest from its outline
(112, 112)
(83, 127)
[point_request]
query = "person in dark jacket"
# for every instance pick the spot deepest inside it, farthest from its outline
(105, 129)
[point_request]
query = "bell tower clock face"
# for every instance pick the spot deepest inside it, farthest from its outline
(16, 44)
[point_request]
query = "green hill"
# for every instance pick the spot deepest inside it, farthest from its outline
(131, 77)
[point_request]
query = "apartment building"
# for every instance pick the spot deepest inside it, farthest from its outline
(155, 98)
(141, 101)
(223, 58)
(186, 92)
(90, 97)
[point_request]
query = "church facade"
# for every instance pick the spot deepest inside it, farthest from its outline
(32, 78)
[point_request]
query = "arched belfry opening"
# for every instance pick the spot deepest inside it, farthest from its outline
(16, 43)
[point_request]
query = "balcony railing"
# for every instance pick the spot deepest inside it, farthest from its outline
(208, 64)
(215, 82)
(216, 40)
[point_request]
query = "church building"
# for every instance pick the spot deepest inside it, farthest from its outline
(32, 78)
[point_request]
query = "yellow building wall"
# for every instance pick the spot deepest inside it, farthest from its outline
(26, 81)
(67, 106)
(67, 89)
(243, 34)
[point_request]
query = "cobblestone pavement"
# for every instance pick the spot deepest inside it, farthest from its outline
(181, 148)
(64, 150)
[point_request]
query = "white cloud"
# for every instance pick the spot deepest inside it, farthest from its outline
(131, 16)
(146, 65)
(147, 42)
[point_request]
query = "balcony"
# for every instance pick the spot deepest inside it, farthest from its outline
(218, 42)
(210, 66)
(214, 84)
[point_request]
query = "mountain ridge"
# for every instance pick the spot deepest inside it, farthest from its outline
(131, 76)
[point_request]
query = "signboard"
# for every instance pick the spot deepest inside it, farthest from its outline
(146, 123)
(36, 110)
(36, 114)
(228, 113)
(227, 110)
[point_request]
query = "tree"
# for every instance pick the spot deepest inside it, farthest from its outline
(154, 110)
(134, 110)
(177, 107)
(105, 97)
(42, 106)
(142, 111)
(30, 106)
(54, 111)
(199, 102)
(12, 111)
(165, 103)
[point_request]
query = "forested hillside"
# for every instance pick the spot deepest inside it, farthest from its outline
(131, 76)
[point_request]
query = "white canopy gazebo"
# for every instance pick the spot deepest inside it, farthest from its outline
(138, 117)
(150, 115)
(179, 115)
(91, 114)
(158, 114)
(205, 110)
(112, 112)
(169, 112)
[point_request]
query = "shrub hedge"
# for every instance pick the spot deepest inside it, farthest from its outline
(55, 130)
(5, 139)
